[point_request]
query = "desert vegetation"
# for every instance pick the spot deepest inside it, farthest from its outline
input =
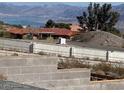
(114, 70)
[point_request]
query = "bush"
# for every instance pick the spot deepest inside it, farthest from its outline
(86, 58)
(29, 37)
(50, 39)
(24, 37)
(59, 55)
(107, 67)
(6, 34)
(14, 54)
(99, 59)
(1, 33)
(72, 63)
(102, 66)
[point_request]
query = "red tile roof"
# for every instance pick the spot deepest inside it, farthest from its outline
(15, 30)
(58, 31)
(54, 31)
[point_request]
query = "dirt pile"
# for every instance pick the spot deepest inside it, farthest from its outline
(100, 38)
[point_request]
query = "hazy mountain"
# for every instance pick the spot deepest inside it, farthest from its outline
(39, 13)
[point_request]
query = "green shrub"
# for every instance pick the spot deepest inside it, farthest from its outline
(50, 39)
(6, 34)
(29, 37)
(1, 33)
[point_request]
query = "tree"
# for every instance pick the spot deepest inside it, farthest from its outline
(50, 23)
(1, 23)
(62, 25)
(99, 18)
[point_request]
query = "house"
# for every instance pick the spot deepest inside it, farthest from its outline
(57, 32)
(16, 32)
(41, 33)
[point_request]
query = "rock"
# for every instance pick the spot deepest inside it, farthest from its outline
(113, 74)
(100, 72)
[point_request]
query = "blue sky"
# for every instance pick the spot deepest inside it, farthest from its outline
(81, 4)
(84, 4)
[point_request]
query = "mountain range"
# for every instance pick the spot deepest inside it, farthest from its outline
(37, 14)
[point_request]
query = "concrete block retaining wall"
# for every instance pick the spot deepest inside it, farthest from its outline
(107, 85)
(42, 72)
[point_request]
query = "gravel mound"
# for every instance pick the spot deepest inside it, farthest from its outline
(100, 38)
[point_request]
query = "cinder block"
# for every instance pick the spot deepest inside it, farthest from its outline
(12, 62)
(115, 86)
(81, 87)
(58, 83)
(3, 71)
(38, 69)
(73, 87)
(14, 70)
(24, 78)
(108, 86)
(70, 74)
(45, 76)
(23, 61)
(84, 81)
(15, 78)
(44, 61)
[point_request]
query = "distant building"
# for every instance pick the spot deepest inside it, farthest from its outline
(16, 32)
(24, 26)
(57, 32)
(41, 33)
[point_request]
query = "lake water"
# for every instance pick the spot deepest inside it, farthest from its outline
(22, 21)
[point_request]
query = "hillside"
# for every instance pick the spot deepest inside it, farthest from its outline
(39, 13)
(99, 38)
